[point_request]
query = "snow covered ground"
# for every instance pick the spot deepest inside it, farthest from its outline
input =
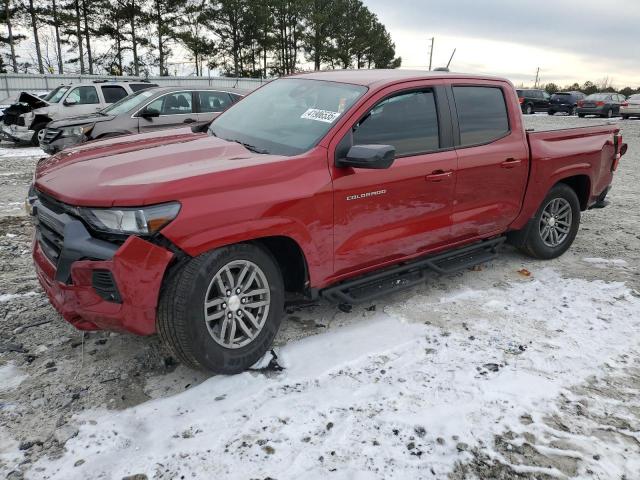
(517, 369)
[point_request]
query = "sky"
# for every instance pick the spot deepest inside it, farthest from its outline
(569, 40)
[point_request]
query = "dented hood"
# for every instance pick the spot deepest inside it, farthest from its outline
(144, 169)
(32, 100)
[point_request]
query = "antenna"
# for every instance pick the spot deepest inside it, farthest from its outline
(451, 58)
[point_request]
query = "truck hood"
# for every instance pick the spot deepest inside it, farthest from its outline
(143, 169)
(32, 100)
(80, 120)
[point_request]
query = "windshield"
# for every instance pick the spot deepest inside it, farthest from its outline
(286, 116)
(128, 103)
(55, 95)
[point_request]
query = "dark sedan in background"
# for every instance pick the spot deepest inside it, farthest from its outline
(144, 111)
(565, 102)
(604, 105)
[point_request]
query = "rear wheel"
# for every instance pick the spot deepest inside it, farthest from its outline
(555, 225)
(528, 109)
(607, 114)
(625, 117)
(221, 311)
(581, 115)
(572, 111)
(550, 112)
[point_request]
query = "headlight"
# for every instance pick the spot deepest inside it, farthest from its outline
(76, 131)
(137, 221)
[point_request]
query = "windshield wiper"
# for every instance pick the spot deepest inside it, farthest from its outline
(248, 146)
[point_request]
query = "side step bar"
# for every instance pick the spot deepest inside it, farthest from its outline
(405, 275)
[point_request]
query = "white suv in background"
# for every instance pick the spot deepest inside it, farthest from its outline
(26, 120)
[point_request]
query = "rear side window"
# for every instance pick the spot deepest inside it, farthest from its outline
(136, 87)
(482, 114)
(209, 101)
(408, 121)
(113, 93)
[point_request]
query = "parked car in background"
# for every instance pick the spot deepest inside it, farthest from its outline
(145, 111)
(26, 119)
(565, 102)
(630, 107)
(335, 184)
(604, 105)
(533, 100)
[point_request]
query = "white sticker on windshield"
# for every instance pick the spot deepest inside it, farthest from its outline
(320, 115)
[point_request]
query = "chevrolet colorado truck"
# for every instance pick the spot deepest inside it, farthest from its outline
(339, 184)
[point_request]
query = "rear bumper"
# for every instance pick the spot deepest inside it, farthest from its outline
(635, 111)
(591, 111)
(561, 108)
(136, 269)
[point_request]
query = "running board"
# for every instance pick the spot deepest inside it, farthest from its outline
(405, 275)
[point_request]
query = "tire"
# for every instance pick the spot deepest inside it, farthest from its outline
(204, 345)
(581, 115)
(534, 245)
(36, 130)
(528, 109)
(550, 112)
(609, 114)
(625, 117)
(572, 111)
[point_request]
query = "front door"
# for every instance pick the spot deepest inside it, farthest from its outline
(82, 100)
(493, 162)
(387, 215)
(175, 110)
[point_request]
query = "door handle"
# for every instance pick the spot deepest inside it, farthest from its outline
(439, 175)
(511, 163)
(189, 120)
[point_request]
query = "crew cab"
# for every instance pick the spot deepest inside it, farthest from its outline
(338, 184)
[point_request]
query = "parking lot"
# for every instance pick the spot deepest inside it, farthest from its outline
(514, 369)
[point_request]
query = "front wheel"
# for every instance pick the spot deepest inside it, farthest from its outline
(528, 109)
(221, 311)
(38, 134)
(555, 225)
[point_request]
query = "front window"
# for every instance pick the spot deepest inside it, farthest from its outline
(83, 96)
(178, 103)
(128, 103)
(287, 116)
(56, 94)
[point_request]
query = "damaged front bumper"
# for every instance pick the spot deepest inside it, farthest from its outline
(95, 284)
(16, 133)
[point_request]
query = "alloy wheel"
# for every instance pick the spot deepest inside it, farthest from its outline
(237, 303)
(555, 222)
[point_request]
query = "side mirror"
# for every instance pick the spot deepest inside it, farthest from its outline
(70, 101)
(368, 156)
(150, 113)
(203, 127)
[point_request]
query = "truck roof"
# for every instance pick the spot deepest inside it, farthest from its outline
(373, 77)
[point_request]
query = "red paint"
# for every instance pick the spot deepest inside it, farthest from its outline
(431, 202)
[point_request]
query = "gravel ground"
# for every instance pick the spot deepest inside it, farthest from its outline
(49, 372)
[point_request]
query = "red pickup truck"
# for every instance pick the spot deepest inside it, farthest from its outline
(340, 184)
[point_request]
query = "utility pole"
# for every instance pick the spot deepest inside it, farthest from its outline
(537, 77)
(431, 52)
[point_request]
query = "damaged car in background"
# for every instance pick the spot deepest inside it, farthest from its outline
(25, 120)
(144, 111)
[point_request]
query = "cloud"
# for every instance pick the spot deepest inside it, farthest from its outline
(604, 34)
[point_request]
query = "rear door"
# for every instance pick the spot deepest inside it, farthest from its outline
(175, 108)
(493, 160)
(387, 215)
(211, 103)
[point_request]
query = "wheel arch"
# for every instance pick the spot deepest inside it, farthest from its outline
(40, 119)
(581, 184)
(290, 259)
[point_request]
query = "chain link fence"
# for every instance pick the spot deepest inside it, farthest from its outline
(11, 84)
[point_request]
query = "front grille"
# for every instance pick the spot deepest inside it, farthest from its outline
(50, 234)
(50, 135)
(105, 286)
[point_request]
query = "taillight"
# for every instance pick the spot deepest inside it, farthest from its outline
(599, 104)
(619, 149)
(624, 104)
(521, 100)
(580, 103)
